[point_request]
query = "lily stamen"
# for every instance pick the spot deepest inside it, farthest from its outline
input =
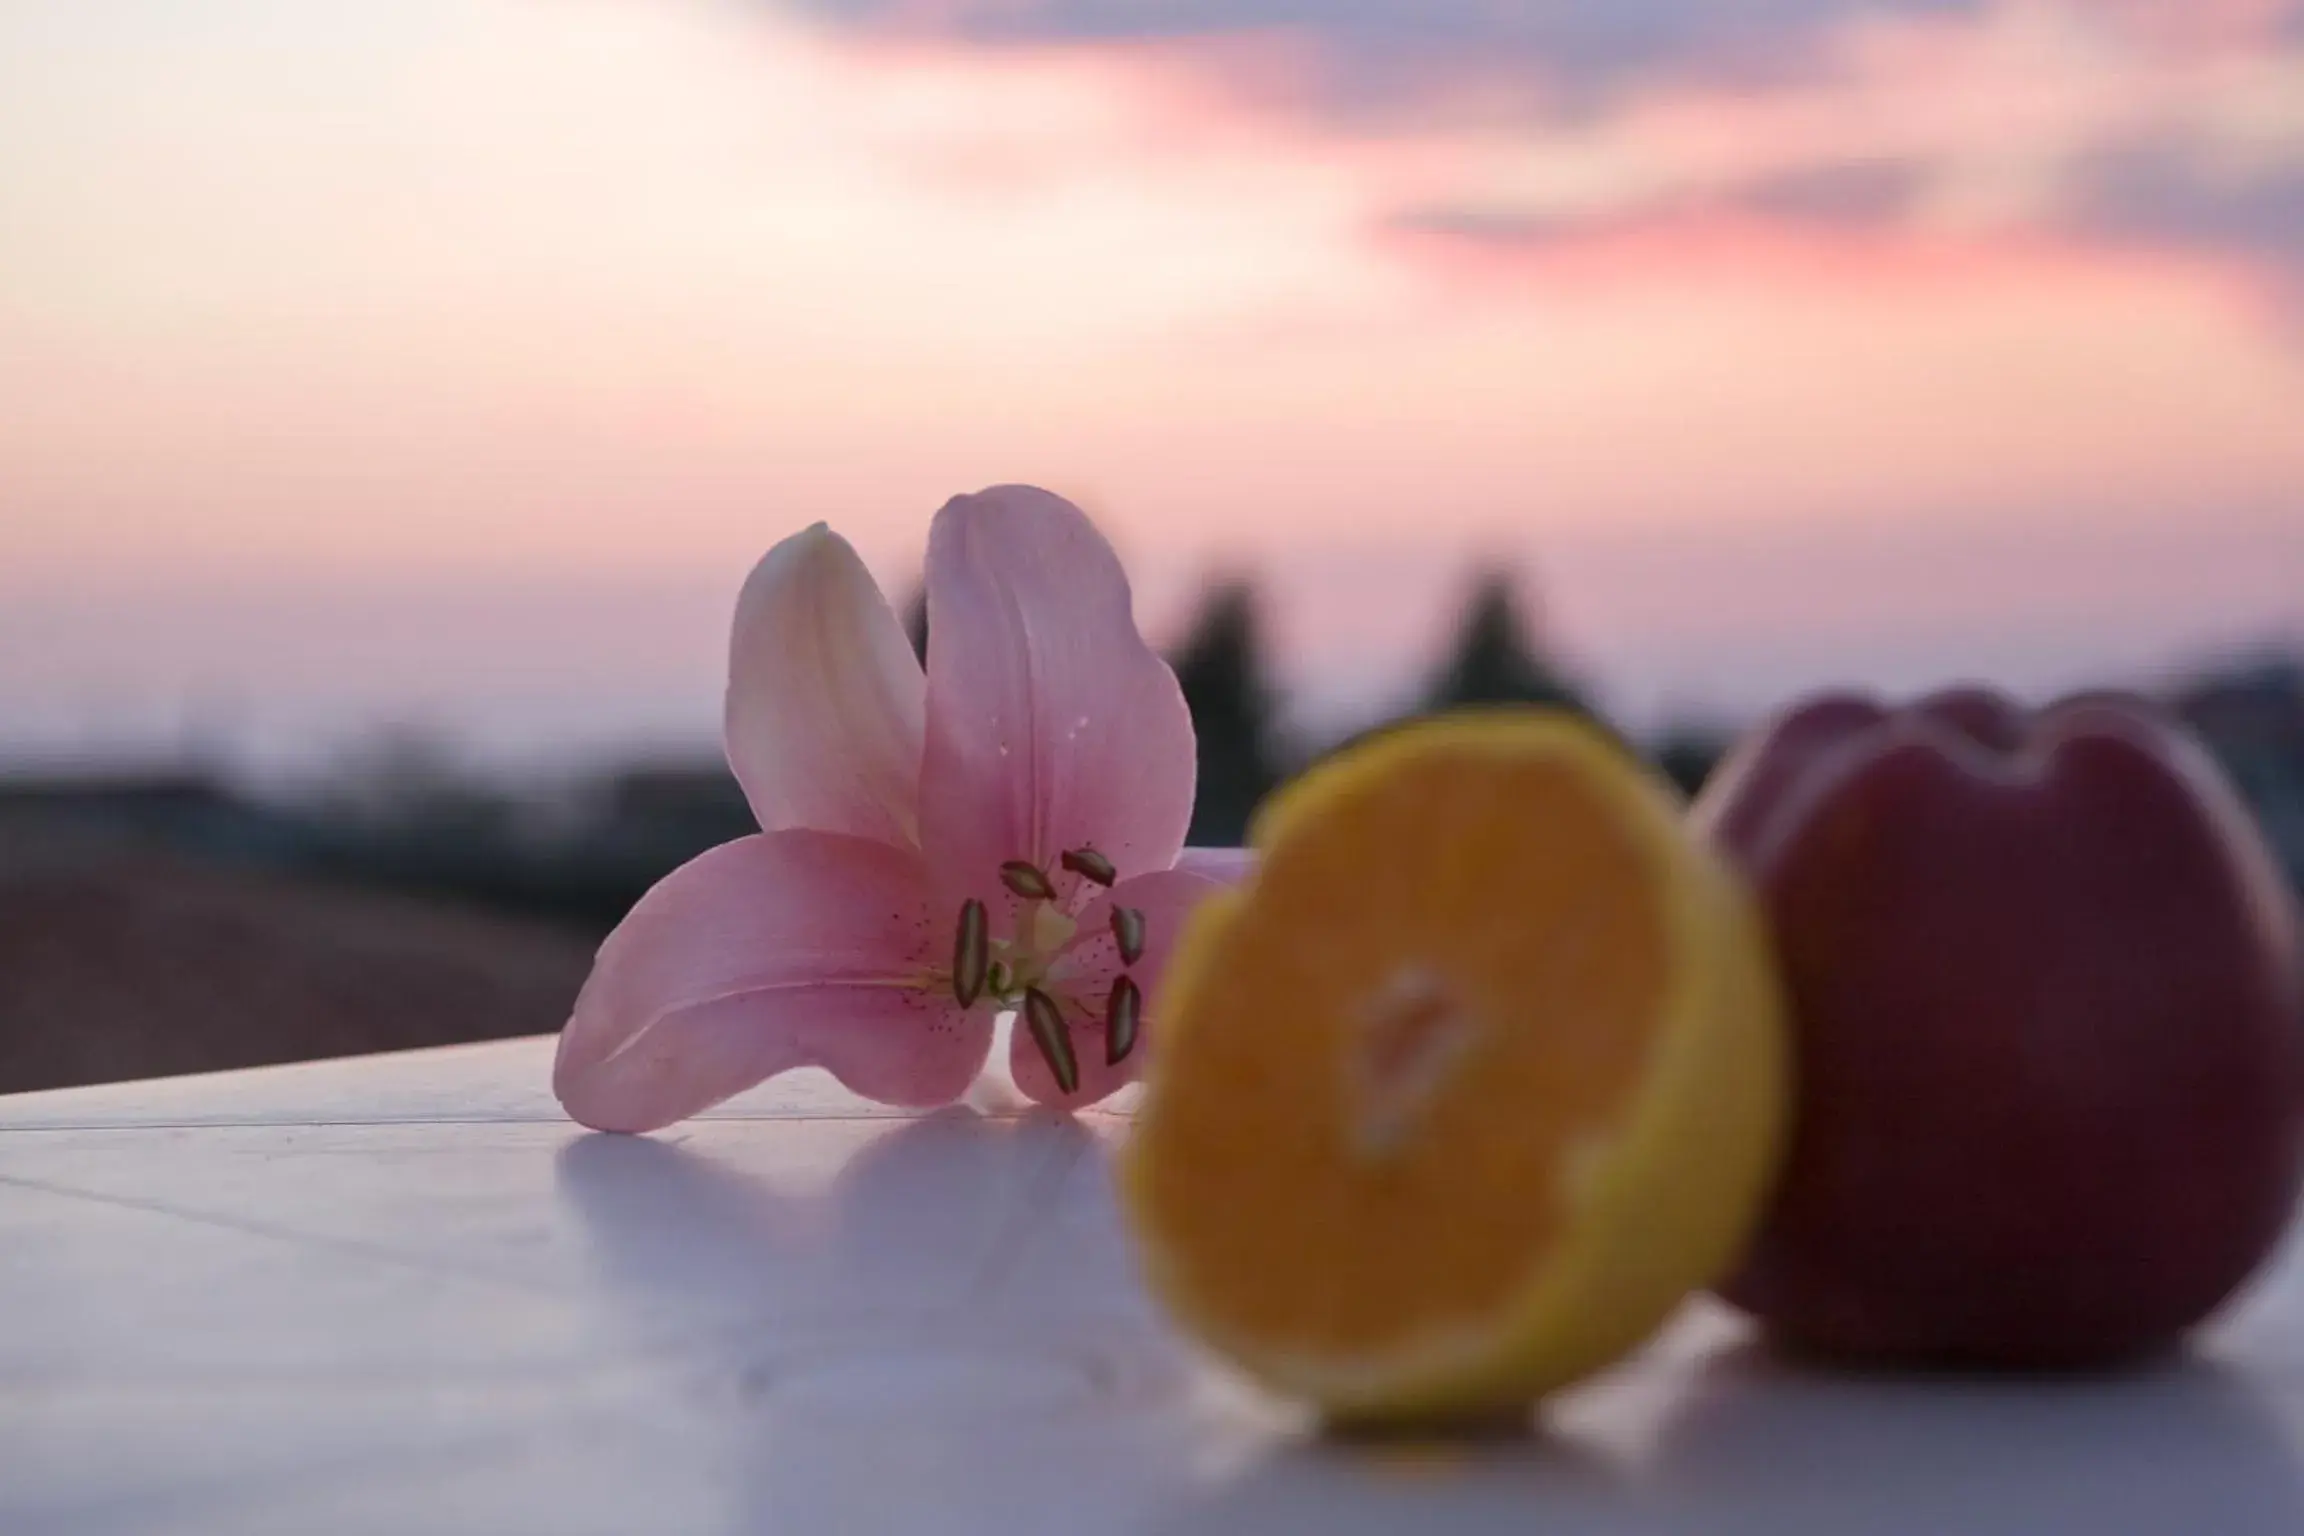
(1122, 1010)
(1045, 1020)
(1088, 864)
(1128, 933)
(971, 954)
(1027, 880)
(1042, 739)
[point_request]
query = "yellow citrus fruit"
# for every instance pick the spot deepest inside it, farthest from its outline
(1478, 1075)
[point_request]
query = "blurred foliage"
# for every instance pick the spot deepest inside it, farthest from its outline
(1496, 659)
(401, 812)
(219, 947)
(1686, 754)
(1220, 666)
(916, 623)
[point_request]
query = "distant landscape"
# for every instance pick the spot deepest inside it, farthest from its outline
(162, 918)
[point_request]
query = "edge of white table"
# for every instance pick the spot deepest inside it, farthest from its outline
(403, 1293)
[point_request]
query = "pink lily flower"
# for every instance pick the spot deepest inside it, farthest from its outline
(1004, 833)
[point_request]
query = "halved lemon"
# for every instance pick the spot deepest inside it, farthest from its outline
(1478, 1075)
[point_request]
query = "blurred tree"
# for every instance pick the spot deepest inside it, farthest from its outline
(407, 781)
(1687, 754)
(1494, 660)
(1220, 666)
(916, 622)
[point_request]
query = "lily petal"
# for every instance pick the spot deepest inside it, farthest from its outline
(826, 704)
(1081, 980)
(1228, 866)
(1051, 724)
(788, 949)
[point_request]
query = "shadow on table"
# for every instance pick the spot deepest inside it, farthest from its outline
(858, 1351)
(1534, 1480)
(1763, 1445)
(1755, 1446)
(873, 1329)
(811, 1220)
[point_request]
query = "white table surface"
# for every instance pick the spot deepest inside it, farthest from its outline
(403, 1294)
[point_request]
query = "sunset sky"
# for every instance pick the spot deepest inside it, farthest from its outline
(449, 361)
